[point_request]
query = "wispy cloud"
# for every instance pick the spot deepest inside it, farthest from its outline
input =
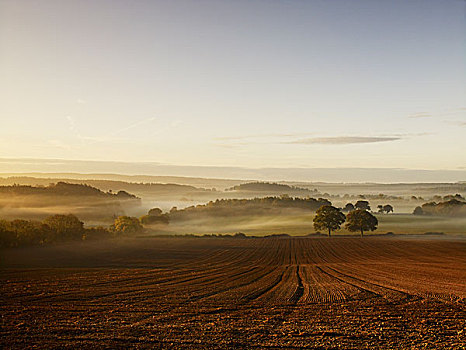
(229, 145)
(297, 138)
(71, 122)
(446, 116)
(134, 125)
(59, 144)
(73, 128)
(412, 134)
(420, 115)
(345, 140)
(458, 122)
(439, 114)
(262, 136)
(112, 136)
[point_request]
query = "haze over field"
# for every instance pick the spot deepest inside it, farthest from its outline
(107, 169)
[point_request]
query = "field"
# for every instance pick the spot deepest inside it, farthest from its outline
(275, 293)
(299, 223)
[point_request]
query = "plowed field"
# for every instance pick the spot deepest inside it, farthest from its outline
(214, 293)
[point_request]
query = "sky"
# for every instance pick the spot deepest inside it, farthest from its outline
(255, 84)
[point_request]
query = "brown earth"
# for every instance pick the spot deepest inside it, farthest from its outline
(216, 293)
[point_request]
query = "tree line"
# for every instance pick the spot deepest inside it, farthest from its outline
(453, 207)
(269, 186)
(240, 207)
(61, 228)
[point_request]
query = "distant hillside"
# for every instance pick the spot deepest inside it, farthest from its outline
(256, 206)
(206, 190)
(45, 178)
(141, 189)
(63, 189)
(87, 202)
(394, 189)
(270, 187)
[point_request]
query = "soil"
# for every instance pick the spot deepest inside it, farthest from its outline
(223, 293)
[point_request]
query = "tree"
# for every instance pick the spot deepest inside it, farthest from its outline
(387, 208)
(348, 207)
(418, 211)
(29, 232)
(126, 225)
(328, 218)
(155, 212)
(7, 237)
(65, 227)
(152, 219)
(364, 205)
(361, 220)
(155, 216)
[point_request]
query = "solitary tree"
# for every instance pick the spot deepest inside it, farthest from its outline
(387, 208)
(328, 218)
(361, 220)
(364, 205)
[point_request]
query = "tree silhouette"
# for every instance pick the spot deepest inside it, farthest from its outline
(361, 220)
(364, 205)
(387, 208)
(418, 211)
(328, 218)
(348, 207)
(155, 212)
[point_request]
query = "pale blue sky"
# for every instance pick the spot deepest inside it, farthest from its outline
(235, 83)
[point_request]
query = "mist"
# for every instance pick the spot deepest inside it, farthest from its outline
(342, 175)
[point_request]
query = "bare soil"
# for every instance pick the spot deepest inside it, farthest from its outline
(213, 293)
